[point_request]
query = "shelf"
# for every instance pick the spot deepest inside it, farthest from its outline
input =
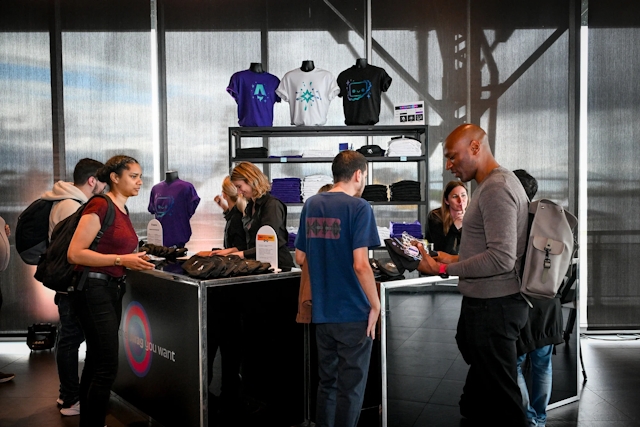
(326, 131)
(276, 160)
(416, 203)
(418, 132)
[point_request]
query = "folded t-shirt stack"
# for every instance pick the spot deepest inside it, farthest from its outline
(405, 191)
(252, 153)
(293, 232)
(312, 183)
(402, 146)
(375, 193)
(318, 153)
(287, 190)
(413, 228)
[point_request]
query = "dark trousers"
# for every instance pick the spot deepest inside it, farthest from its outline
(70, 336)
(344, 353)
(99, 309)
(487, 333)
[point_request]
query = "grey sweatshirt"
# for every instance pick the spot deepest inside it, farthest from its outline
(494, 236)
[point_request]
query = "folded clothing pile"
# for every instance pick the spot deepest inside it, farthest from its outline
(403, 146)
(293, 233)
(413, 228)
(312, 183)
(375, 193)
(215, 267)
(162, 251)
(252, 153)
(287, 190)
(405, 191)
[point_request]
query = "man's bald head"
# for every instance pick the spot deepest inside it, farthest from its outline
(468, 153)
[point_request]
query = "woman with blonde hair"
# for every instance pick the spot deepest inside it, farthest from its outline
(233, 206)
(445, 223)
(262, 209)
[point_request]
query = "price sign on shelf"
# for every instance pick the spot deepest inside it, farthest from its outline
(267, 246)
(409, 113)
(154, 233)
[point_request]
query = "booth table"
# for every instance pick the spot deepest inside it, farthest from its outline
(163, 361)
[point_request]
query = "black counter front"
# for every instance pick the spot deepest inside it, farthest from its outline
(163, 366)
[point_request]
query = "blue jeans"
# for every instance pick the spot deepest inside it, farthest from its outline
(99, 308)
(70, 336)
(535, 404)
(344, 353)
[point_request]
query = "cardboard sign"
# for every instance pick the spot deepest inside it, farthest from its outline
(154, 232)
(409, 113)
(267, 246)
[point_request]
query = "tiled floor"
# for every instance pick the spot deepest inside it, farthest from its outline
(425, 376)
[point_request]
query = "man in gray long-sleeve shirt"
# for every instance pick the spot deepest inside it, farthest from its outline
(493, 311)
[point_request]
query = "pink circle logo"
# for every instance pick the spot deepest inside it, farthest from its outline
(137, 338)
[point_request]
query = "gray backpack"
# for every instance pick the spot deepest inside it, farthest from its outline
(550, 249)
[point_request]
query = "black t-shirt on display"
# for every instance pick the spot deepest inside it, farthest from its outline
(361, 90)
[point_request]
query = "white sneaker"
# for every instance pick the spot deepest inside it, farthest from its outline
(60, 401)
(71, 410)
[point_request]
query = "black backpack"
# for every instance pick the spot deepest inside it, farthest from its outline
(42, 336)
(32, 230)
(54, 270)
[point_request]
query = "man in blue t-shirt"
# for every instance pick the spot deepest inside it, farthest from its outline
(337, 228)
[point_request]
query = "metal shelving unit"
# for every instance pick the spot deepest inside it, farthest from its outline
(418, 132)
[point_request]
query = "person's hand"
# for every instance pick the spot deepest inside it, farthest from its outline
(446, 258)
(221, 201)
(457, 217)
(371, 324)
(427, 264)
(221, 252)
(7, 230)
(137, 261)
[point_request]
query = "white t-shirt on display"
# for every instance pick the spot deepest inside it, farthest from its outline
(309, 94)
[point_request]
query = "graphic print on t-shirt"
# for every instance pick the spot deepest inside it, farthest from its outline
(259, 93)
(164, 204)
(358, 90)
(323, 228)
(307, 95)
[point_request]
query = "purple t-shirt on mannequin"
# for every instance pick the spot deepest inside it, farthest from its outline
(173, 204)
(255, 94)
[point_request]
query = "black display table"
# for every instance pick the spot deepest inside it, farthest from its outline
(163, 367)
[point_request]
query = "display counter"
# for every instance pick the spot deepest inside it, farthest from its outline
(163, 360)
(422, 370)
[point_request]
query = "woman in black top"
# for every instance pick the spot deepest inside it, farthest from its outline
(445, 223)
(262, 209)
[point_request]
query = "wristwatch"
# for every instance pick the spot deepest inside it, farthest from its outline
(118, 261)
(442, 271)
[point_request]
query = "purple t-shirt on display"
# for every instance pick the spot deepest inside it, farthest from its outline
(255, 94)
(174, 204)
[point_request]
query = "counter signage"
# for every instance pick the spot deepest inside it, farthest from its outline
(267, 246)
(154, 232)
(409, 113)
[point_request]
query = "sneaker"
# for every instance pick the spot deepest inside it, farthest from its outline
(60, 402)
(71, 410)
(6, 377)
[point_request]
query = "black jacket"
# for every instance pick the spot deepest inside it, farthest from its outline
(234, 236)
(450, 242)
(268, 211)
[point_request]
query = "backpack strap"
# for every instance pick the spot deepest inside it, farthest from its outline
(106, 223)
